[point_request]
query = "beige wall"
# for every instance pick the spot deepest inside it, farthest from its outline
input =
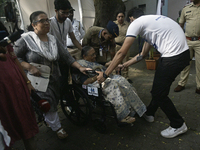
(150, 5)
(174, 6)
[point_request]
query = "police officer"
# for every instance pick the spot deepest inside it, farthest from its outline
(191, 15)
(102, 40)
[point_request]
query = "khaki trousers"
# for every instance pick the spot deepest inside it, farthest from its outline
(194, 47)
(124, 73)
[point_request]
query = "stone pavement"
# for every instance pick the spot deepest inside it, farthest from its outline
(142, 135)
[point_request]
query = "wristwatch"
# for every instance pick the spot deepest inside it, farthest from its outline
(105, 75)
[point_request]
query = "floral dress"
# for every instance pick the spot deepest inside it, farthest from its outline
(117, 90)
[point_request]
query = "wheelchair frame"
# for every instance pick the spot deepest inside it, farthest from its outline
(80, 107)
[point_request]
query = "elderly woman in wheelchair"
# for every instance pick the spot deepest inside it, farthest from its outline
(116, 89)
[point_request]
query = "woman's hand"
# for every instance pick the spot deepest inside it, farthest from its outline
(121, 67)
(30, 87)
(100, 77)
(83, 69)
(33, 70)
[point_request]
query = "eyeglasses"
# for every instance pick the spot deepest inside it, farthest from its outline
(94, 54)
(43, 20)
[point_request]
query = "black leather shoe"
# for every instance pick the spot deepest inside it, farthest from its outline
(179, 88)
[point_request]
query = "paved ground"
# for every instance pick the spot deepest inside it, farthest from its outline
(142, 135)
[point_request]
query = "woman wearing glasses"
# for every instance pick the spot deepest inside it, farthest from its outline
(37, 46)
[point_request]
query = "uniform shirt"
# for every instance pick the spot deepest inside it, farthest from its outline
(93, 38)
(122, 32)
(78, 32)
(160, 31)
(60, 30)
(191, 15)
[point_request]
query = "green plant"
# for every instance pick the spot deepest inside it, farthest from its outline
(151, 52)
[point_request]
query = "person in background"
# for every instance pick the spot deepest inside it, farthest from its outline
(179, 15)
(103, 41)
(16, 113)
(119, 40)
(79, 33)
(116, 89)
(190, 14)
(60, 27)
(37, 46)
(160, 32)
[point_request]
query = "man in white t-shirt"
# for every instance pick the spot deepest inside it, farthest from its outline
(168, 38)
(79, 33)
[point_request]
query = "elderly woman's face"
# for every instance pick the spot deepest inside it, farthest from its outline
(91, 55)
(42, 25)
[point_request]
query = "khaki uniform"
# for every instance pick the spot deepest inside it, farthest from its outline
(191, 15)
(93, 38)
(119, 42)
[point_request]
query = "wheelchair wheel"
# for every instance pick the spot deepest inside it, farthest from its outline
(76, 108)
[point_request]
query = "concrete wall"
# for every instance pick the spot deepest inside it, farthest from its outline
(150, 5)
(170, 8)
(174, 6)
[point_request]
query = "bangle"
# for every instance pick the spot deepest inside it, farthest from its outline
(28, 81)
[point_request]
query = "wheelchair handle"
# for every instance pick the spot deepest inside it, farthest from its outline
(91, 72)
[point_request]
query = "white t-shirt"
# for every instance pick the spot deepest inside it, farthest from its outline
(160, 31)
(60, 30)
(78, 32)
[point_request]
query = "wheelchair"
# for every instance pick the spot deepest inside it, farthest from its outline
(86, 103)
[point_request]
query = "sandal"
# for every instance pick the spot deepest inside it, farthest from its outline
(128, 119)
(61, 133)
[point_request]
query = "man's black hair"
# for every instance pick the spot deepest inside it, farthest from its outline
(120, 12)
(62, 4)
(135, 13)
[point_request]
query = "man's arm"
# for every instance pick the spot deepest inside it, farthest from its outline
(119, 56)
(145, 50)
(74, 40)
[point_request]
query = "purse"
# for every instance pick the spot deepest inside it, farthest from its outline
(40, 83)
